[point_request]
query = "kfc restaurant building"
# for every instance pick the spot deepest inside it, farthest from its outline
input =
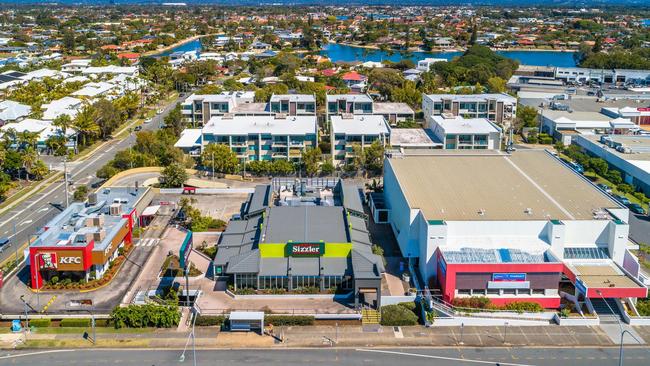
(82, 241)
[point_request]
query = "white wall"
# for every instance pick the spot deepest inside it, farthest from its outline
(402, 217)
(579, 232)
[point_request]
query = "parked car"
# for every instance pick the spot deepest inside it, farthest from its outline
(636, 208)
(622, 199)
(605, 188)
(148, 120)
(4, 243)
(160, 111)
(138, 128)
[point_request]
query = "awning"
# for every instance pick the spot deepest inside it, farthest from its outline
(150, 211)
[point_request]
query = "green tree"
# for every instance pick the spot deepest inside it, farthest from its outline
(80, 193)
(311, 159)
(282, 167)
(327, 168)
(496, 85)
(173, 176)
(174, 120)
(259, 167)
(526, 116)
(85, 124)
(614, 176)
(39, 169)
(599, 166)
(107, 117)
(374, 157)
(63, 122)
(220, 158)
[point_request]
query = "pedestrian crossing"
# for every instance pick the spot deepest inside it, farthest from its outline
(147, 242)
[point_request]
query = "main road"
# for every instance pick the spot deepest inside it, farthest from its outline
(333, 356)
(28, 217)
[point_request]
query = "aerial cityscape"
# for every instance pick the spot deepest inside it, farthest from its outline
(353, 183)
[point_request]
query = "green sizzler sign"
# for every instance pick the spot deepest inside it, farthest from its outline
(305, 249)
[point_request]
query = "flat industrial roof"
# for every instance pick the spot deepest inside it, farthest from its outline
(526, 185)
(604, 274)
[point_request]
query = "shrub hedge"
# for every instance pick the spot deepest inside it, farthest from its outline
(289, 320)
(76, 323)
(149, 315)
(397, 315)
(209, 320)
(40, 323)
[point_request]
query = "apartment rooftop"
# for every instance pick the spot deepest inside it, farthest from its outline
(359, 125)
(526, 185)
(411, 138)
(392, 108)
(459, 125)
(472, 97)
(302, 98)
(275, 125)
(357, 98)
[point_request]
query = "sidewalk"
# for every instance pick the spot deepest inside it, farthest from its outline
(342, 336)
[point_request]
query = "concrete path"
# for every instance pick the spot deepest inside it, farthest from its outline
(613, 331)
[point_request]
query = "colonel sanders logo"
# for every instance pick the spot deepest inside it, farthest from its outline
(48, 261)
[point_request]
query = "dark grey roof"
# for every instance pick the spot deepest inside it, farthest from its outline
(6, 78)
(366, 265)
(304, 266)
(351, 196)
(305, 224)
(259, 200)
(273, 266)
(248, 262)
(336, 266)
(239, 237)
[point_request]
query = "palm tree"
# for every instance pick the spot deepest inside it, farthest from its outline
(85, 124)
(63, 122)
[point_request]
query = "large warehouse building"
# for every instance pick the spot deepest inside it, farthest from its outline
(508, 226)
(305, 236)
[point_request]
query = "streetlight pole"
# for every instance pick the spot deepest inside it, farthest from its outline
(623, 331)
(213, 165)
(22, 298)
(505, 331)
(65, 175)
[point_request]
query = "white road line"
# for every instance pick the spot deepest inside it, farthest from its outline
(26, 222)
(439, 357)
(35, 353)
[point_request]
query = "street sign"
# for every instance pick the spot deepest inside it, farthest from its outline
(186, 249)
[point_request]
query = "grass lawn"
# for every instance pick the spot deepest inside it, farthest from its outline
(82, 343)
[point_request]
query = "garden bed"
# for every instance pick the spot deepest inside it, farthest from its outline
(171, 268)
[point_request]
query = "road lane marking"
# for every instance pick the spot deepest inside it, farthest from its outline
(35, 353)
(438, 357)
(25, 222)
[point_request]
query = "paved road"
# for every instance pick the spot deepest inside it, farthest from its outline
(32, 214)
(374, 357)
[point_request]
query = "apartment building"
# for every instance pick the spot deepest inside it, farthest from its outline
(349, 131)
(293, 104)
(263, 138)
(499, 108)
(199, 108)
(362, 104)
(457, 133)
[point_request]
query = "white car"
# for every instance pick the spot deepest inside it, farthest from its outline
(147, 120)
(160, 111)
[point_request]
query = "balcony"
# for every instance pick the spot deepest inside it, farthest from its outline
(279, 155)
(279, 144)
(296, 144)
(295, 152)
(239, 143)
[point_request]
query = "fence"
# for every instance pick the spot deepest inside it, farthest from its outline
(209, 190)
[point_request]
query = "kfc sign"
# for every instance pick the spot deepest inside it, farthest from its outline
(70, 260)
(306, 249)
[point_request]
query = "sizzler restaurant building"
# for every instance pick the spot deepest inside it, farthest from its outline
(302, 248)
